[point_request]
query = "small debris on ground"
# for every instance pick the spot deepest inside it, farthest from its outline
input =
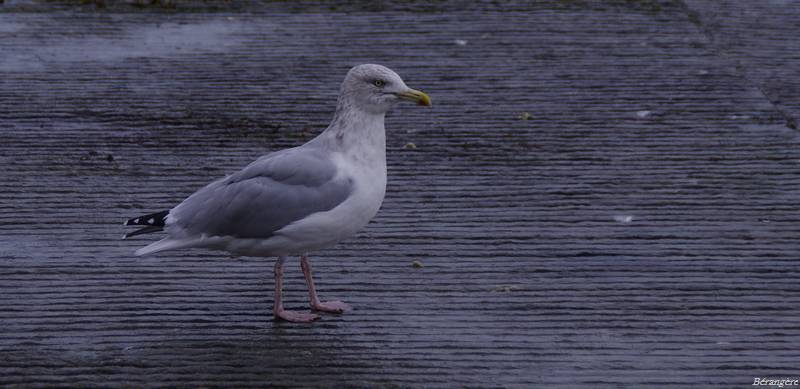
(524, 116)
(643, 114)
(623, 218)
(416, 264)
(460, 42)
(506, 288)
(410, 146)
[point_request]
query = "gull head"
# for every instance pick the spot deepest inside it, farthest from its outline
(375, 89)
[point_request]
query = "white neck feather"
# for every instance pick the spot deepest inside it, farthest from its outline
(357, 134)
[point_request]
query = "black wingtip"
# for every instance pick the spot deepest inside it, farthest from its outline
(153, 222)
(157, 219)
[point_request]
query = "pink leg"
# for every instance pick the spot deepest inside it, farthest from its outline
(278, 310)
(328, 306)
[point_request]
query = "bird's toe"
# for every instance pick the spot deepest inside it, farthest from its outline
(296, 317)
(332, 307)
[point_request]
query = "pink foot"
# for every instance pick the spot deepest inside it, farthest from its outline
(296, 317)
(331, 307)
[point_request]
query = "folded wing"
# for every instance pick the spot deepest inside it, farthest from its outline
(267, 195)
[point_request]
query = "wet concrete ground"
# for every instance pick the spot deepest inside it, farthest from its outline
(603, 194)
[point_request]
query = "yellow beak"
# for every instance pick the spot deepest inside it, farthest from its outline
(416, 96)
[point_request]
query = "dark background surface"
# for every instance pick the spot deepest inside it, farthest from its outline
(638, 227)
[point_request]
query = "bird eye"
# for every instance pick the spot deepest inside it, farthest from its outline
(379, 83)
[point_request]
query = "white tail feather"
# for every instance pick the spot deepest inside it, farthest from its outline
(166, 244)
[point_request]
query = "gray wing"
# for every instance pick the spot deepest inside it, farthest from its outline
(265, 196)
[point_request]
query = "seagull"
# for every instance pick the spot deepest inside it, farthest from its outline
(297, 200)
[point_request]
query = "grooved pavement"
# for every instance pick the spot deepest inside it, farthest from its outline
(638, 229)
